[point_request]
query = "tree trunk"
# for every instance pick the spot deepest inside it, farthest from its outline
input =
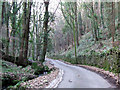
(94, 24)
(72, 39)
(110, 6)
(13, 27)
(111, 18)
(113, 21)
(7, 47)
(13, 59)
(46, 17)
(7, 25)
(76, 24)
(3, 13)
(21, 55)
(118, 20)
(27, 30)
(80, 24)
(101, 11)
(68, 39)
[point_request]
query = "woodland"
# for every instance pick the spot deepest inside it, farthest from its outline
(86, 33)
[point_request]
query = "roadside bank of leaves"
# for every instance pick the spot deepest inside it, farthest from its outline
(43, 80)
(12, 76)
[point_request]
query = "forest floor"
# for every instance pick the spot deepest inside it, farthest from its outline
(44, 80)
(87, 44)
(13, 76)
(108, 76)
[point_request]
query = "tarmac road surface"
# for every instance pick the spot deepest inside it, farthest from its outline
(78, 77)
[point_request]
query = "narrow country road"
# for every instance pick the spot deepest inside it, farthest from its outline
(78, 77)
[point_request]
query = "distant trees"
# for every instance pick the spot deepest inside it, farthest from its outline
(70, 16)
(27, 29)
(113, 22)
(110, 6)
(98, 18)
(95, 22)
(102, 16)
(94, 19)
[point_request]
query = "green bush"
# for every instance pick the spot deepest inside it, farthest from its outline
(34, 65)
(46, 68)
(40, 69)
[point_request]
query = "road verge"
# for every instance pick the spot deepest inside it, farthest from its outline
(51, 80)
(55, 83)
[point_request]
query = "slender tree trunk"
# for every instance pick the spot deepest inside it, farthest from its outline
(72, 39)
(13, 27)
(7, 47)
(110, 6)
(118, 61)
(80, 24)
(113, 22)
(46, 17)
(101, 11)
(118, 69)
(37, 45)
(33, 44)
(7, 24)
(27, 30)
(111, 18)
(68, 39)
(118, 20)
(76, 24)
(3, 13)
(93, 35)
(94, 24)
(75, 42)
(118, 39)
(33, 49)
(38, 40)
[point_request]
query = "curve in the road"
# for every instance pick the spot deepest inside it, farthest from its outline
(78, 77)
